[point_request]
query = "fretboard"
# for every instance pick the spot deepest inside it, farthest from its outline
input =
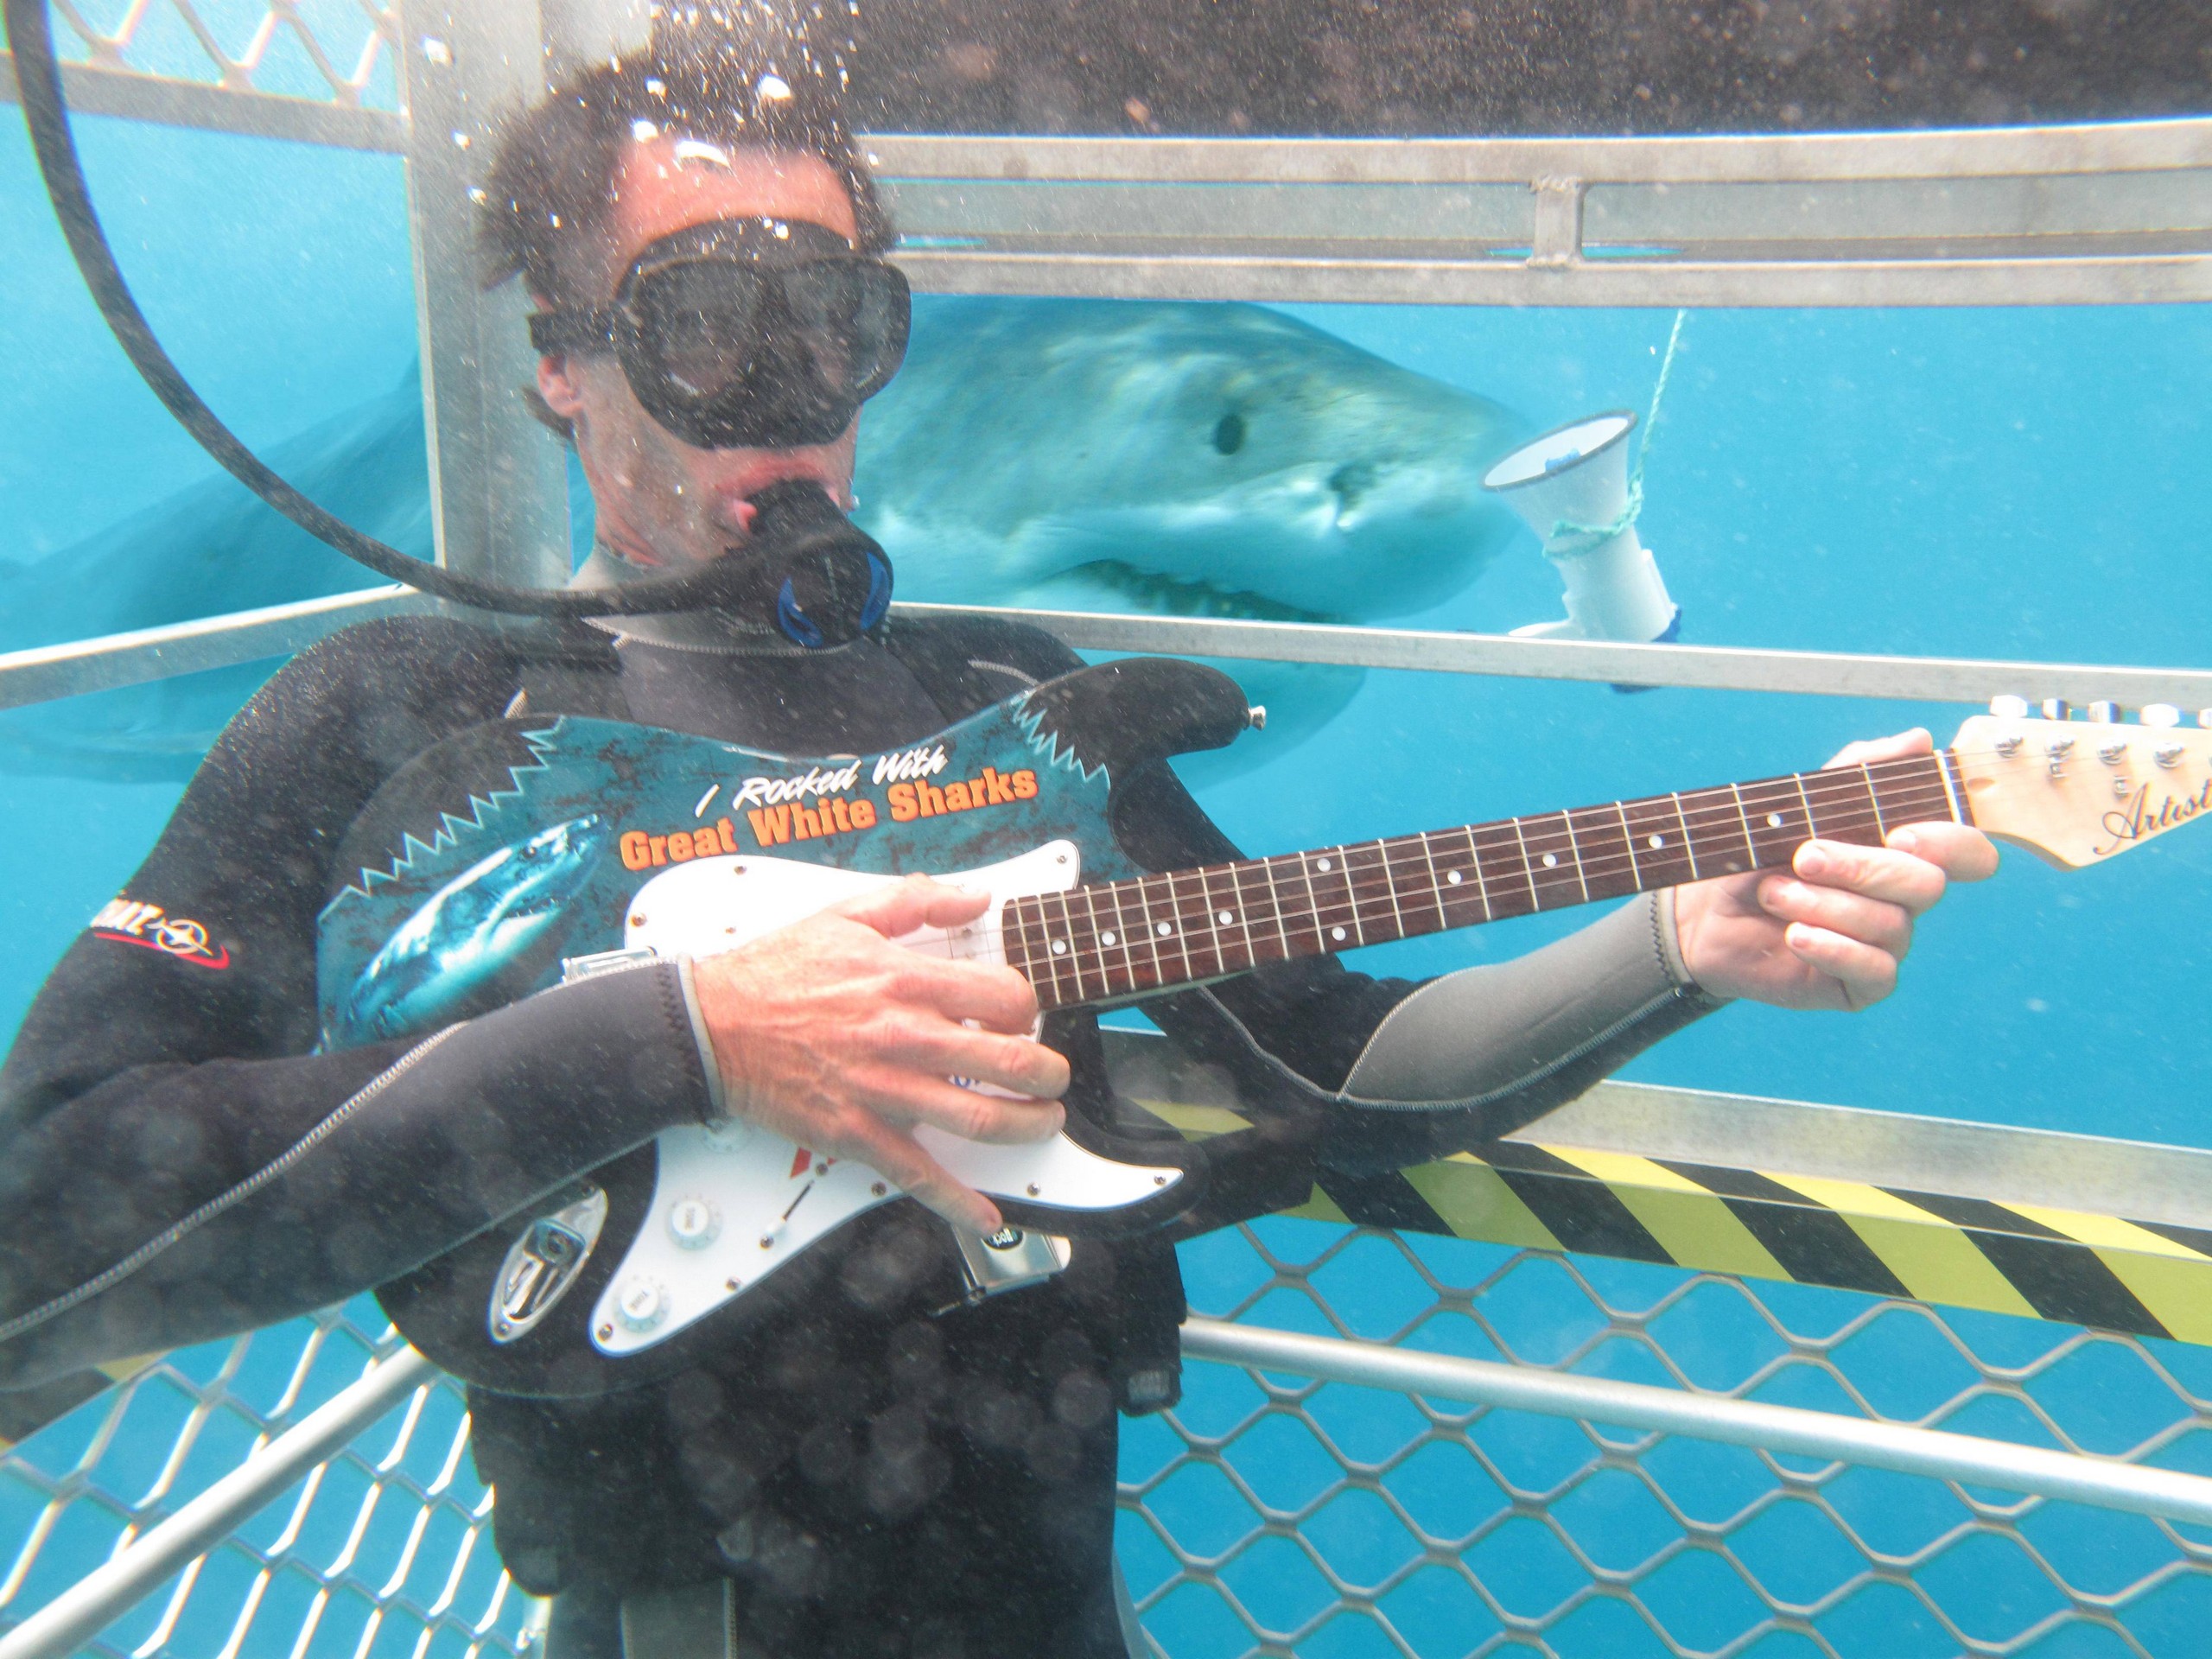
(1121, 940)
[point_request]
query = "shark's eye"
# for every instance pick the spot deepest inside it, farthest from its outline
(1229, 433)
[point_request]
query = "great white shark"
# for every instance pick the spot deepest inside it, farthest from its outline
(1171, 458)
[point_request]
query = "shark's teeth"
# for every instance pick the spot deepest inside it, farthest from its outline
(1164, 595)
(1047, 744)
(452, 826)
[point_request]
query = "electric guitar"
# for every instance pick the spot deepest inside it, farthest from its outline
(588, 846)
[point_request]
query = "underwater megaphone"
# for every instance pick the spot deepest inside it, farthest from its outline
(1571, 487)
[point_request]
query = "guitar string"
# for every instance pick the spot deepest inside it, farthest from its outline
(1360, 883)
(1374, 878)
(1898, 802)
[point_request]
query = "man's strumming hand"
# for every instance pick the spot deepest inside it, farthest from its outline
(1830, 933)
(835, 1037)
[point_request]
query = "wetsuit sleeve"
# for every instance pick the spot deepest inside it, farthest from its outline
(176, 1163)
(1405, 1071)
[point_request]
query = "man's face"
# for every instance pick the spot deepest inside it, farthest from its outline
(660, 501)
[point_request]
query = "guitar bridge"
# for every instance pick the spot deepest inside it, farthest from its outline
(542, 1265)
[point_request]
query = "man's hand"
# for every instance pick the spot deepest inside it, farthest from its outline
(1830, 934)
(836, 1038)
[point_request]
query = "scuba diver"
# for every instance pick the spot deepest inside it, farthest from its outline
(882, 1467)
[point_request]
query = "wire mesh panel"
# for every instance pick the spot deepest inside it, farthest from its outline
(335, 51)
(385, 1549)
(1275, 1516)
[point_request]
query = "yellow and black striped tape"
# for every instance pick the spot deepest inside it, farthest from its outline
(2145, 1278)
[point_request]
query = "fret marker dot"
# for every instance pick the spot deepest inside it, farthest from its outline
(1059, 947)
(1223, 918)
(1336, 933)
(1322, 863)
(1658, 840)
(1550, 859)
(1774, 820)
(1453, 878)
(1165, 929)
(1106, 938)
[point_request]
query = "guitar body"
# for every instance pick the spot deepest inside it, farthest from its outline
(496, 857)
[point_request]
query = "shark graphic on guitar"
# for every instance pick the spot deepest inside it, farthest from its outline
(588, 846)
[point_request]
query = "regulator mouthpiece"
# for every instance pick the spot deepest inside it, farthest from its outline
(808, 570)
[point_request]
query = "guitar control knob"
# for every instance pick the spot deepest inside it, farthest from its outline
(643, 1303)
(2104, 712)
(2009, 708)
(2169, 754)
(2112, 752)
(2057, 708)
(694, 1223)
(2161, 713)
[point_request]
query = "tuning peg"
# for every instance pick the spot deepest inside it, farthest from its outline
(2161, 713)
(1257, 715)
(2204, 717)
(2112, 751)
(2057, 708)
(2009, 708)
(2104, 712)
(2169, 754)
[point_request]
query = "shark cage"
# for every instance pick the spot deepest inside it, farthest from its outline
(1673, 1370)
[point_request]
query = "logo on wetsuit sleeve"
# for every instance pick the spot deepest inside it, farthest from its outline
(129, 922)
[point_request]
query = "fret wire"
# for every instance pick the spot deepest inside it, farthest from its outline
(1182, 926)
(1421, 875)
(1075, 950)
(1313, 901)
(1275, 904)
(1627, 839)
(1142, 885)
(1689, 841)
(1574, 852)
(1475, 869)
(1128, 951)
(1435, 881)
(1234, 910)
(1241, 908)
(1036, 923)
(1014, 936)
(1351, 899)
(1750, 849)
(1390, 883)
(1098, 932)
(1874, 800)
(1527, 868)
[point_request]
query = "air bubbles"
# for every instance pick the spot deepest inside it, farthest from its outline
(437, 51)
(644, 131)
(771, 89)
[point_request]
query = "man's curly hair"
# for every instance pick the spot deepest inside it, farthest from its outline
(552, 179)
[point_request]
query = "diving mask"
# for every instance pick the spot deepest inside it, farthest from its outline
(759, 334)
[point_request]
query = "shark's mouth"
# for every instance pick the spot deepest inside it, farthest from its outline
(1164, 595)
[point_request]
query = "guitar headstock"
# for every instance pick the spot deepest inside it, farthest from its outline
(2079, 791)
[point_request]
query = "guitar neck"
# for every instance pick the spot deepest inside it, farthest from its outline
(1121, 940)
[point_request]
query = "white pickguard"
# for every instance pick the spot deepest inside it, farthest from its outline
(734, 1203)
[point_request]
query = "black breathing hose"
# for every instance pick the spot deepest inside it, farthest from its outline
(39, 77)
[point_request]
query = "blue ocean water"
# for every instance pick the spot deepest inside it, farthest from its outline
(2016, 483)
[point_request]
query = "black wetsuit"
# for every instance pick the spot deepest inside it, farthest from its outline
(874, 1479)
